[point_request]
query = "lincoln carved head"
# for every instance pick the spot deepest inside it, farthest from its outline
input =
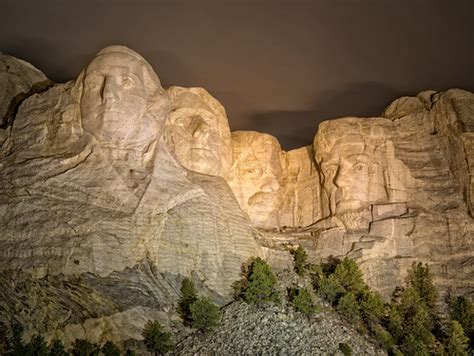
(353, 155)
(197, 131)
(256, 176)
(118, 86)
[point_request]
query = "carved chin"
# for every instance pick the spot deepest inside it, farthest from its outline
(202, 165)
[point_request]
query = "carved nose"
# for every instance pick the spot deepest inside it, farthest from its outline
(200, 128)
(111, 91)
(269, 184)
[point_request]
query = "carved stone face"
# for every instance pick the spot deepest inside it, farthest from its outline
(352, 168)
(114, 101)
(352, 177)
(256, 175)
(197, 131)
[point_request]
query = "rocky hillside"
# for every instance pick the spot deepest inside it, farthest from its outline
(277, 330)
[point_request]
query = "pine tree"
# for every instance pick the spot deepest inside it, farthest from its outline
(261, 283)
(302, 301)
(457, 342)
(462, 310)
(300, 257)
(420, 279)
(82, 347)
(156, 339)
(110, 349)
(188, 297)
(56, 348)
(349, 307)
(37, 346)
(18, 347)
(205, 314)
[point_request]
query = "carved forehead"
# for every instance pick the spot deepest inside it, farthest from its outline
(188, 102)
(113, 57)
(351, 135)
(110, 62)
(251, 146)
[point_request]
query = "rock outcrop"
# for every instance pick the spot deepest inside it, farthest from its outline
(395, 189)
(18, 80)
(90, 191)
(113, 189)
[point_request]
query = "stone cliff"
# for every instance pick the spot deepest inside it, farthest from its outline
(114, 189)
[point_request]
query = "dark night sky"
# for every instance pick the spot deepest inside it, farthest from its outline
(277, 66)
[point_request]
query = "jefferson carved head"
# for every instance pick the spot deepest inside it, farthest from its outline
(197, 131)
(118, 87)
(356, 160)
(256, 176)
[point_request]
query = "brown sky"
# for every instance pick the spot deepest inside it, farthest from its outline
(277, 66)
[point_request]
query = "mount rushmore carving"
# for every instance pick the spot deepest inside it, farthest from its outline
(114, 188)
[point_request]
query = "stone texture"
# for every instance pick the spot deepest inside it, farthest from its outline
(113, 189)
(89, 188)
(411, 170)
(197, 131)
(18, 80)
(256, 176)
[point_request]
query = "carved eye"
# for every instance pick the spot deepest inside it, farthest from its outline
(359, 166)
(92, 86)
(127, 82)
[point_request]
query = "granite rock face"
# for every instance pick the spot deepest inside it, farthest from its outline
(113, 189)
(18, 80)
(90, 191)
(396, 189)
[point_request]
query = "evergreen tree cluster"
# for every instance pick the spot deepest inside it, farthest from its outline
(15, 346)
(258, 284)
(410, 324)
(198, 312)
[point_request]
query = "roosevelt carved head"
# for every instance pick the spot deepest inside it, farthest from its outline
(118, 87)
(354, 157)
(197, 131)
(256, 176)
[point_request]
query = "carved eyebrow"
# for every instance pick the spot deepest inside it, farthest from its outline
(126, 73)
(360, 157)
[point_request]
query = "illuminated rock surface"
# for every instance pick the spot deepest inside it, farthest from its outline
(114, 189)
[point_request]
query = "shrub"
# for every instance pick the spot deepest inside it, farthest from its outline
(345, 349)
(302, 301)
(299, 257)
(56, 348)
(156, 339)
(37, 346)
(205, 314)
(82, 347)
(261, 283)
(348, 307)
(130, 353)
(188, 297)
(457, 342)
(110, 349)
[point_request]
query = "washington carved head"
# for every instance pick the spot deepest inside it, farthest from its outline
(118, 87)
(197, 131)
(357, 164)
(256, 176)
